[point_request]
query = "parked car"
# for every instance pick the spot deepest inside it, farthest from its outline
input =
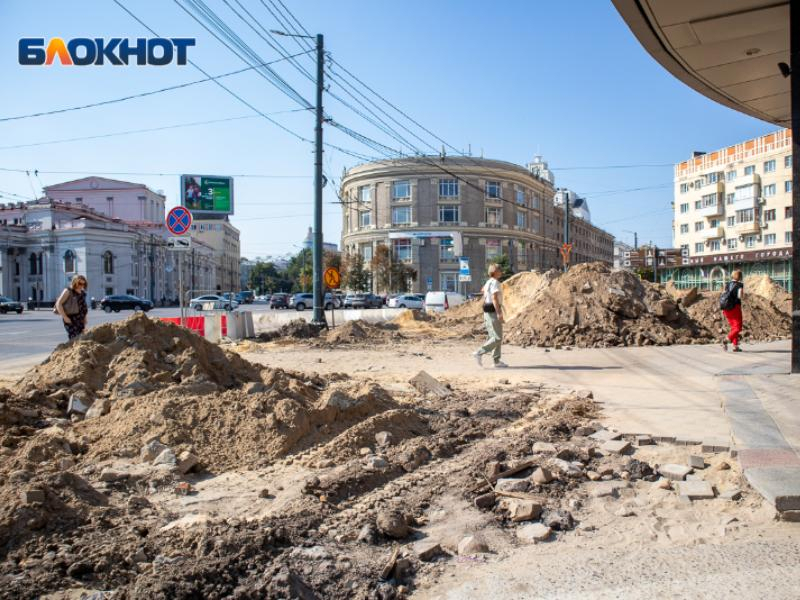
(359, 300)
(245, 297)
(279, 300)
(9, 305)
(220, 302)
(441, 301)
(304, 300)
(124, 302)
(407, 301)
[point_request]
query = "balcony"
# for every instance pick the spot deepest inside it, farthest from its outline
(748, 228)
(711, 211)
(712, 233)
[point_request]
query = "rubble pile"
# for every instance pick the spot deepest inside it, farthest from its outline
(297, 329)
(593, 306)
(362, 332)
(764, 286)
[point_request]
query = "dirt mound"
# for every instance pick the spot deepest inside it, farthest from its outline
(361, 332)
(763, 320)
(764, 286)
(297, 329)
(131, 358)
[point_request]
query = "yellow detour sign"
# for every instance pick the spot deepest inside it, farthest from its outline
(565, 250)
(332, 278)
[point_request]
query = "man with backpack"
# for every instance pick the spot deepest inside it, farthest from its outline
(731, 304)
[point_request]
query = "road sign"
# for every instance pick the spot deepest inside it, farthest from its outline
(332, 278)
(207, 194)
(179, 220)
(179, 243)
(429, 283)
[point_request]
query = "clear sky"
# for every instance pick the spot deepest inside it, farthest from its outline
(509, 78)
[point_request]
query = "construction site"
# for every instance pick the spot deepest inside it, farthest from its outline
(375, 460)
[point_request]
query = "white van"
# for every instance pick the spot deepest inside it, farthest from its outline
(441, 301)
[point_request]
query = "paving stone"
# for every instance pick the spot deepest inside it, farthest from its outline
(734, 494)
(674, 472)
(512, 485)
(616, 446)
(715, 445)
(604, 435)
(664, 439)
(534, 532)
(472, 544)
(683, 441)
(792, 516)
(644, 440)
(608, 489)
(695, 490)
(584, 431)
(31, 496)
(76, 405)
(697, 462)
(186, 462)
(779, 485)
(525, 510)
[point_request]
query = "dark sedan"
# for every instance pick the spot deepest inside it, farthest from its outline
(124, 302)
(279, 300)
(9, 305)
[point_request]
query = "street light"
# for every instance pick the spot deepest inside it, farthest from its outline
(318, 318)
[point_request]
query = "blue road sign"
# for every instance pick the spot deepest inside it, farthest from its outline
(179, 220)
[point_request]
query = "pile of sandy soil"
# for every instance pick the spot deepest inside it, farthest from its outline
(361, 332)
(764, 286)
(298, 329)
(763, 321)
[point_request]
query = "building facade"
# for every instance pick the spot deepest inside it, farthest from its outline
(431, 211)
(589, 243)
(733, 210)
(223, 239)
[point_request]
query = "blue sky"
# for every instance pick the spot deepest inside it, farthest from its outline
(510, 78)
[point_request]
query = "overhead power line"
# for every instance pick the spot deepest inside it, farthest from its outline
(146, 174)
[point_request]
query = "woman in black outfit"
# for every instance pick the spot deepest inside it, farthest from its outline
(71, 305)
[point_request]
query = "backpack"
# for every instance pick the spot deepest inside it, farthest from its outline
(730, 297)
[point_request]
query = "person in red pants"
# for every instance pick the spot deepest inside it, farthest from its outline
(734, 315)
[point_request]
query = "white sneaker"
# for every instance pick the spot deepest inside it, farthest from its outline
(478, 358)
(500, 365)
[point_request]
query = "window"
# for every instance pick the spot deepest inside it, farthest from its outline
(684, 228)
(745, 192)
(684, 188)
(520, 196)
(78, 200)
(731, 221)
(449, 213)
(699, 225)
(732, 242)
(69, 261)
(448, 188)
(787, 161)
(365, 218)
(770, 190)
(787, 212)
(493, 189)
(787, 185)
(787, 237)
(401, 215)
(714, 223)
(750, 241)
(749, 170)
(401, 190)
(494, 216)
(492, 249)
(770, 239)
(536, 200)
(402, 250)
(520, 219)
(745, 216)
(108, 262)
(730, 175)
(364, 193)
(729, 198)
(711, 178)
(709, 200)
(769, 215)
(698, 204)
(366, 253)
(769, 166)
(698, 183)
(699, 247)
(448, 282)
(34, 263)
(446, 252)
(715, 246)
(684, 208)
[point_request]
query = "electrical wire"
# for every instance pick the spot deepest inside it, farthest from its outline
(145, 174)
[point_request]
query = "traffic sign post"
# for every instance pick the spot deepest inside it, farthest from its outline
(332, 279)
(565, 250)
(179, 222)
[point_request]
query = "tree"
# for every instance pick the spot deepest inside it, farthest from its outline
(381, 266)
(332, 259)
(505, 264)
(354, 276)
(300, 271)
(265, 277)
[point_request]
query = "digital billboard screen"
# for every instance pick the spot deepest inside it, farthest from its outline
(207, 194)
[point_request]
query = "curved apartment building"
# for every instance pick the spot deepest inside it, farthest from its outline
(431, 210)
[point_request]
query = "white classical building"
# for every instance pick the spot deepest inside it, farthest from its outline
(110, 231)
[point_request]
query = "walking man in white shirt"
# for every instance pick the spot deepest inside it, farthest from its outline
(492, 318)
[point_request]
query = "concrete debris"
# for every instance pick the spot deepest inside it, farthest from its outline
(472, 544)
(151, 450)
(533, 532)
(485, 501)
(166, 457)
(392, 524)
(605, 435)
(32, 496)
(512, 485)
(542, 476)
(425, 384)
(375, 463)
(76, 405)
(697, 462)
(558, 520)
(674, 472)
(608, 489)
(616, 447)
(384, 438)
(544, 447)
(584, 431)
(110, 475)
(426, 550)
(187, 462)
(696, 490)
(644, 440)
(733, 495)
(524, 510)
(101, 407)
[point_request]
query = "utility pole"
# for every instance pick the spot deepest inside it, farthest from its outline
(318, 318)
(566, 226)
(794, 34)
(655, 264)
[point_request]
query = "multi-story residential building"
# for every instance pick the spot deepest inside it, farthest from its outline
(622, 253)
(733, 210)
(431, 210)
(223, 239)
(589, 243)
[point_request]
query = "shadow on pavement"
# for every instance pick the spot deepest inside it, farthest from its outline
(563, 368)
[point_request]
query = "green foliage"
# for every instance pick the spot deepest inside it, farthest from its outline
(265, 278)
(300, 271)
(354, 276)
(505, 264)
(391, 276)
